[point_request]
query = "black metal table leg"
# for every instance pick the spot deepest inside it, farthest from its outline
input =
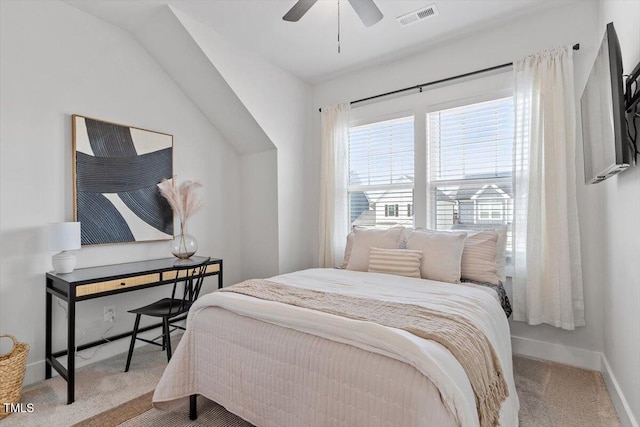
(220, 276)
(166, 331)
(47, 346)
(193, 407)
(71, 347)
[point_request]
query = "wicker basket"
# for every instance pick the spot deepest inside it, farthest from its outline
(12, 367)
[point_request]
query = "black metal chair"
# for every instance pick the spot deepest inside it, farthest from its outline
(189, 272)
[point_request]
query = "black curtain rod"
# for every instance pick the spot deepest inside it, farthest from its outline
(435, 82)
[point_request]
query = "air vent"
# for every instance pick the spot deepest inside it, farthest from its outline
(417, 15)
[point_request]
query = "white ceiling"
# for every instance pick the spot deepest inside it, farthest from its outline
(308, 48)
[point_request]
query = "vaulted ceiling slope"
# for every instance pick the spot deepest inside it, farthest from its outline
(172, 46)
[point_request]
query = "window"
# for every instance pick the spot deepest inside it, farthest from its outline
(390, 210)
(381, 173)
(470, 166)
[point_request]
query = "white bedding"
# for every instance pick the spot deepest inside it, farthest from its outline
(436, 363)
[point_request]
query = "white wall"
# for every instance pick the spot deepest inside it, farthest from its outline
(620, 248)
(502, 44)
(168, 41)
(280, 104)
(56, 61)
(259, 231)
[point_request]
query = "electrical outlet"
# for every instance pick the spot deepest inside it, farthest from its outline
(110, 313)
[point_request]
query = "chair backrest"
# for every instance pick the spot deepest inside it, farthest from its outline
(192, 274)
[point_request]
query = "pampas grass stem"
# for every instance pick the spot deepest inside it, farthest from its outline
(182, 199)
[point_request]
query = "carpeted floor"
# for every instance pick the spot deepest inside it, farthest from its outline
(558, 395)
(550, 395)
(99, 387)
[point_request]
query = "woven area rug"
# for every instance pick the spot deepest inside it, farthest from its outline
(550, 395)
(139, 412)
(120, 413)
(209, 414)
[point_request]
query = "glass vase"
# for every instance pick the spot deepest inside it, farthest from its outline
(183, 245)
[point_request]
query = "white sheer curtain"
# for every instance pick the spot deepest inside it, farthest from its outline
(333, 184)
(547, 278)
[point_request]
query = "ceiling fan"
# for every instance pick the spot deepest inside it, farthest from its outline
(365, 9)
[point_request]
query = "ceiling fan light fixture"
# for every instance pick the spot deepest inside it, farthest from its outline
(366, 10)
(298, 10)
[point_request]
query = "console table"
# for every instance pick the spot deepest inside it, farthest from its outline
(96, 282)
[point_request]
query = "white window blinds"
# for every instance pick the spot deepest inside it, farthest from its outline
(470, 166)
(381, 173)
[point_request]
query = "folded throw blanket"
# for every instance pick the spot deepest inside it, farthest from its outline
(465, 341)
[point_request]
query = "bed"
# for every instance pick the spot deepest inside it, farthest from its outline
(275, 364)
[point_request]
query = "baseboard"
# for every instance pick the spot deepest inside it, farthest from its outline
(573, 356)
(34, 372)
(622, 406)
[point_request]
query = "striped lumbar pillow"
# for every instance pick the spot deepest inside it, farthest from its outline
(401, 262)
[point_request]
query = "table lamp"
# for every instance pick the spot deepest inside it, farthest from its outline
(64, 237)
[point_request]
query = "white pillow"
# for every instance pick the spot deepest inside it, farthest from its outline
(404, 236)
(441, 253)
(366, 238)
(349, 245)
(347, 250)
(401, 262)
(479, 257)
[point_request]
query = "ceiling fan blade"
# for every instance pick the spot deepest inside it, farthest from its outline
(367, 11)
(298, 10)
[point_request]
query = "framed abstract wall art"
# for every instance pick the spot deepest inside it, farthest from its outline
(116, 172)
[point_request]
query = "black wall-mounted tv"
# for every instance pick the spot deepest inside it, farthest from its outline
(607, 149)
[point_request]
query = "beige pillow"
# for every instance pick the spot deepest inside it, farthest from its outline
(479, 257)
(501, 256)
(401, 262)
(366, 238)
(501, 246)
(441, 253)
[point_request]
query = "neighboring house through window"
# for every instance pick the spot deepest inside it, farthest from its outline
(381, 164)
(391, 210)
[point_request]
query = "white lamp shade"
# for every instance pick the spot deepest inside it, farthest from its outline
(64, 236)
